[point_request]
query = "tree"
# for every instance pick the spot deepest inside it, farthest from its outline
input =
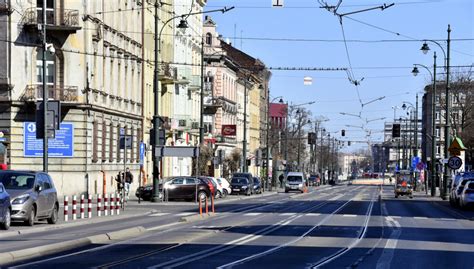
(206, 154)
(232, 162)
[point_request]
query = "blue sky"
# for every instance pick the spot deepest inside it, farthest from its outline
(385, 66)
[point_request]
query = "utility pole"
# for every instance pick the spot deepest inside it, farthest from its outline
(244, 142)
(45, 95)
(156, 119)
(433, 131)
(447, 127)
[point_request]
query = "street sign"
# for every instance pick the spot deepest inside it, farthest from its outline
(277, 3)
(59, 147)
(167, 151)
(454, 163)
(456, 147)
(142, 152)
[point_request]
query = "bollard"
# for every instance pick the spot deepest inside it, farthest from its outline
(117, 205)
(82, 206)
(106, 204)
(207, 208)
(99, 205)
(74, 207)
(200, 207)
(112, 204)
(212, 203)
(89, 206)
(66, 215)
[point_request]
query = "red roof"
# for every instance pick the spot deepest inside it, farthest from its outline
(278, 110)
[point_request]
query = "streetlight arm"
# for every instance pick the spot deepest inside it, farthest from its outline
(425, 67)
(442, 49)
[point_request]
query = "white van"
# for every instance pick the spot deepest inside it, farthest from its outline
(295, 181)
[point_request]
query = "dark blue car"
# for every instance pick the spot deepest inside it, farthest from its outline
(5, 208)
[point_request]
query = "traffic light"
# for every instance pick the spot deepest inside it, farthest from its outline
(396, 130)
(348, 143)
(311, 138)
(343, 132)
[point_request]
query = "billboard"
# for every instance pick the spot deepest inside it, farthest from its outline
(229, 130)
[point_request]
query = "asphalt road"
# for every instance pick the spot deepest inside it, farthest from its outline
(344, 226)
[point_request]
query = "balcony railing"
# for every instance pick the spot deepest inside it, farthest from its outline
(166, 73)
(64, 93)
(62, 19)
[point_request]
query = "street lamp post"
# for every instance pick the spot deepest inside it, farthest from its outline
(156, 114)
(268, 136)
(447, 126)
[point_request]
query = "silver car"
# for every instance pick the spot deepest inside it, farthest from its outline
(32, 194)
(467, 194)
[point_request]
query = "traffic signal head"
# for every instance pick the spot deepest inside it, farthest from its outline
(343, 132)
(348, 143)
(396, 130)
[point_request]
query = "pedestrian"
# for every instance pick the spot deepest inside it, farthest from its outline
(281, 177)
(128, 181)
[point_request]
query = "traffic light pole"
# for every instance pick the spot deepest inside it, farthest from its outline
(45, 96)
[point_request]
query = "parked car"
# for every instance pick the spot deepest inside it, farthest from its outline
(403, 183)
(460, 187)
(187, 188)
(248, 176)
(32, 194)
(314, 180)
(241, 185)
(257, 185)
(467, 195)
(455, 192)
(5, 208)
(295, 181)
(212, 185)
(225, 185)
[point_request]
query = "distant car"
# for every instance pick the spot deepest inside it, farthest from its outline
(5, 208)
(248, 176)
(257, 185)
(225, 186)
(460, 187)
(241, 185)
(187, 188)
(212, 185)
(314, 180)
(403, 183)
(32, 194)
(467, 195)
(295, 181)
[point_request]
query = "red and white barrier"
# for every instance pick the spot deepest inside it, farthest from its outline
(99, 205)
(112, 204)
(74, 207)
(66, 207)
(89, 206)
(82, 206)
(117, 205)
(106, 204)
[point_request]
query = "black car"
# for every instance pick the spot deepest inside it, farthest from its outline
(241, 185)
(187, 188)
(257, 185)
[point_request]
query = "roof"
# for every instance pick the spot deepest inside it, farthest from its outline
(278, 110)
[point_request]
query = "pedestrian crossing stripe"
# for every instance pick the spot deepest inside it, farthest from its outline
(252, 214)
(158, 214)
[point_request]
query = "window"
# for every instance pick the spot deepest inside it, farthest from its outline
(437, 132)
(50, 67)
(111, 142)
(438, 149)
(95, 141)
(437, 115)
(119, 157)
(209, 39)
(104, 140)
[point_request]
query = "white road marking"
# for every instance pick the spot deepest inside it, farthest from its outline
(420, 217)
(447, 219)
(396, 217)
(252, 214)
(349, 215)
(158, 214)
(185, 214)
(313, 214)
(287, 214)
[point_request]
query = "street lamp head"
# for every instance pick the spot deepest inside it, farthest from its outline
(425, 48)
(404, 106)
(260, 87)
(183, 24)
(298, 111)
(415, 71)
(281, 101)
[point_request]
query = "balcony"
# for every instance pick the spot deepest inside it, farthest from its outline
(166, 73)
(63, 94)
(64, 21)
(195, 82)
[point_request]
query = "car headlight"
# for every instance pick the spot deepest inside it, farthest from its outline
(300, 185)
(21, 199)
(244, 187)
(149, 188)
(287, 185)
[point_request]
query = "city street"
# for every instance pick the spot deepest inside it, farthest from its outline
(330, 227)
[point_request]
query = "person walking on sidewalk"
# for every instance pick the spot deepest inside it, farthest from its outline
(128, 181)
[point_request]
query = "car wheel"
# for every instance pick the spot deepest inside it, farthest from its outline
(226, 193)
(219, 194)
(54, 215)
(202, 196)
(5, 225)
(31, 218)
(396, 195)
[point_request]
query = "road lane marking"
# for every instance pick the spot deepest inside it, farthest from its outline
(420, 217)
(185, 214)
(349, 215)
(158, 214)
(252, 214)
(447, 219)
(287, 214)
(313, 214)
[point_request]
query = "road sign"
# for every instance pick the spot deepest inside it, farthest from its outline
(59, 147)
(167, 151)
(142, 152)
(277, 3)
(454, 162)
(456, 147)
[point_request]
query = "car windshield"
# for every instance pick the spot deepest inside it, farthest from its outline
(239, 180)
(17, 181)
(294, 179)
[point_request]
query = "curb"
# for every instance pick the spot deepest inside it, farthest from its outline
(34, 252)
(197, 217)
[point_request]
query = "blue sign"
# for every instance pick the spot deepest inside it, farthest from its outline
(414, 162)
(59, 147)
(142, 152)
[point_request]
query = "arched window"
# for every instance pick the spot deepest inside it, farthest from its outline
(209, 39)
